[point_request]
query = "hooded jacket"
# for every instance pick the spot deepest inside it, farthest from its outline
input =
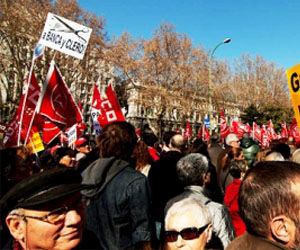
(118, 210)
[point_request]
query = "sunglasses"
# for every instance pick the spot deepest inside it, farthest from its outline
(189, 233)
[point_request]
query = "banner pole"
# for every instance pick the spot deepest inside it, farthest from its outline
(24, 102)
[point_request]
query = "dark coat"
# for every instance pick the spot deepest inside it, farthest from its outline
(164, 182)
(119, 209)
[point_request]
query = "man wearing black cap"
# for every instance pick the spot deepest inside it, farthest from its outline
(45, 211)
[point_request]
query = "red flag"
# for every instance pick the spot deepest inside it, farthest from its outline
(224, 128)
(294, 130)
(271, 131)
(187, 132)
(265, 142)
(96, 110)
(27, 106)
(57, 103)
(256, 132)
(110, 110)
(50, 131)
(284, 130)
(206, 135)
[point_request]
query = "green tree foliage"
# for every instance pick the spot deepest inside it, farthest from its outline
(270, 112)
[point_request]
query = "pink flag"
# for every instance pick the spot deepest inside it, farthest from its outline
(57, 103)
(224, 128)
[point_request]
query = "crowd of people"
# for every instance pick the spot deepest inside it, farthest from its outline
(129, 191)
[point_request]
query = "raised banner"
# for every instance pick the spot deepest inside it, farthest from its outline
(293, 76)
(65, 36)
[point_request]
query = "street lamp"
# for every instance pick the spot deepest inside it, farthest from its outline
(210, 91)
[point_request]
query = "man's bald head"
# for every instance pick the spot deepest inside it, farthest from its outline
(177, 143)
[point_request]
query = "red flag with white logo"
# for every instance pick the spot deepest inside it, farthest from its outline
(294, 130)
(187, 132)
(284, 130)
(271, 131)
(256, 132)
(265, 140)
(224, 128)
(57, 103)
(110, 110)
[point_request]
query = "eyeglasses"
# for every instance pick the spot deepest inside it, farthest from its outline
(189, 233)
(56, 216)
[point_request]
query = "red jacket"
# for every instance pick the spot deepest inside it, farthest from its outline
(231, 201)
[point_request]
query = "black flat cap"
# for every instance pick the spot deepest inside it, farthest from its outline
(40, 189)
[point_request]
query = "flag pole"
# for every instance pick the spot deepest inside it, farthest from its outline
(38, 106)
(24, 101)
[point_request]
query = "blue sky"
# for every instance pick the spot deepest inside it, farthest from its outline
(270, 28)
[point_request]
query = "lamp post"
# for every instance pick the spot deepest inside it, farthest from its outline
(210, 91)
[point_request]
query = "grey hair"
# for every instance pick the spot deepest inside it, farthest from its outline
(189, 204)
(192, 168)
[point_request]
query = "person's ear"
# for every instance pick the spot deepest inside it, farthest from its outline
(16, 226)
(208, 233)
(282, 229)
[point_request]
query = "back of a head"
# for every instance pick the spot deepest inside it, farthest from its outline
(177, 142)
(213, 139)
(296, 156)
(192, 168)
(274, 156)
(237, 167)
(150, 139)
(283, 149)
(117, 139)
(266, 192)
(231, 138)
(167, 137)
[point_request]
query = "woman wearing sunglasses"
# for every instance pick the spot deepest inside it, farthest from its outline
(187, 225)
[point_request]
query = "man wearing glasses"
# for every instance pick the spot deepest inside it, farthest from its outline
(45, 211)
(187, 225)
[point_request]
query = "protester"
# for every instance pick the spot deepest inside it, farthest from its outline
(232, 140)
(192, 173)
(214, 149)
(119, 202)
(163, 177)
(296, 156)
(142, 157)
(151, 141)
(269, 205)
(237, 169)
(187, 225)
(83, 148)
(273, 156)
(166, 141)
(250, 150)
(45, 211)
(64, 157)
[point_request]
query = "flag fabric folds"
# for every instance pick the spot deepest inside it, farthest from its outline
(224, 128)
(57, 103)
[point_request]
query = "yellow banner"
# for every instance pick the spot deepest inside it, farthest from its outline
(36, 143)
(293, 77)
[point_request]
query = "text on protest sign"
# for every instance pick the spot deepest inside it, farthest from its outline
(293, 75)
(65, 36)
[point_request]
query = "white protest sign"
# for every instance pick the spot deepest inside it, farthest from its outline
(65, 36)
(72, 134)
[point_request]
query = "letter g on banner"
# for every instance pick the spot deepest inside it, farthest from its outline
(294, 86)
(295, 82)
